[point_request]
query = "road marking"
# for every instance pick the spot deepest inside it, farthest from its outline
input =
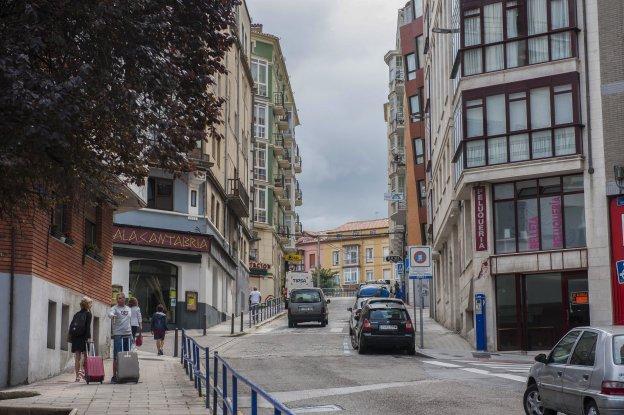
(438, 363)
(336, 329)
(477, 371)
(346, 346)
(510, 377)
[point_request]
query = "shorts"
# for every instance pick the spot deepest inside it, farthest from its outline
(120, 344)
(79, 345)
(159, 334)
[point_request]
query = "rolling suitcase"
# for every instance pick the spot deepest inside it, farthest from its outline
(127, 364)
(94, 366)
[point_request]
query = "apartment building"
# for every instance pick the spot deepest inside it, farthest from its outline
(277, 162)
(406, 139)
(48, 262)
(356, 251)
(521, 99)
(188, 249)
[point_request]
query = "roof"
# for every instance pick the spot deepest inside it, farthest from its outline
(362, 225)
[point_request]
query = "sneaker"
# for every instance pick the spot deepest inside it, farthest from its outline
(160, 353)
(113, 380)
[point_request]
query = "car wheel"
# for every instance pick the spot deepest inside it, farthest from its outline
(362, 349)
(591, 408)
(533, 402)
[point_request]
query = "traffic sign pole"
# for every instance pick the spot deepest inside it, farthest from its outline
(422, 300)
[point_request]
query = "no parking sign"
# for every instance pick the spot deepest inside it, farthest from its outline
(420, 261)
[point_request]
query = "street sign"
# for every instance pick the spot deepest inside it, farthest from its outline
(399, 269)
(293, 257)
(393, 258)
(420, 261)
(420, 277)
(394, 197)
(620, 271)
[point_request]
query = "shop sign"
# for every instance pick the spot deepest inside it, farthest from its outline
(480, 219)
(293, 257)
(580, 298)
(616, 218)
(191, 300)
(131, 235)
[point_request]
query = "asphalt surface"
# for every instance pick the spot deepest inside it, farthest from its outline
(314, 370)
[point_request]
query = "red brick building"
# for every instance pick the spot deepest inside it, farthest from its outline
(47, 263)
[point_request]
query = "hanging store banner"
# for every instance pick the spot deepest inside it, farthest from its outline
(134, 235)
(481, 241)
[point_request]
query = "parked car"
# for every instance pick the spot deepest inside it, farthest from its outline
(355, 312)
(307, 304)
(375, 300)
(385, 325)
(582, 375)
(372, 290)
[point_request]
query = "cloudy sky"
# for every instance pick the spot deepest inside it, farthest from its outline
(334, 53)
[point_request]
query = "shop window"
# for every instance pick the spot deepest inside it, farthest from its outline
(498, 128)
(525, 32)
(64, 326)
(51, 333)
(160, 193)
(544, 214)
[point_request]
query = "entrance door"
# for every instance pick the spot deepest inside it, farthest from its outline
(544, 316)
(154, 283)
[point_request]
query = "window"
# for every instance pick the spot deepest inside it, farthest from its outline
(193, 198)
(260, 207)
(525, 32)
(260, 169)
(420, 49)
(415, 108)
(585, 351)
(212, 208)
(369, 254)
(60, 221)
(410, 66)
(335, 258)
(498, 128)
(160, 193)
(91, 234)
(419, 150)
(351, 275)
(351, 254)
(386, 253)
(312, 261)
(387, 274)
(51, 325)
(544, 214)
(422, 193)
(563, 349)
(260, 121)
(369, 275)
(217, 215)
(260, 72)
(64, 326)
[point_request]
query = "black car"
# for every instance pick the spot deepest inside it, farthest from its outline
(383, 325)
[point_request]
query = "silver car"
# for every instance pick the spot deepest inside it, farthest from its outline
(307, 304)
(582, 375)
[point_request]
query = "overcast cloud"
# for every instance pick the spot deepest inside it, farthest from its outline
(334, 52)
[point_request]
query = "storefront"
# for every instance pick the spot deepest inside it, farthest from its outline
(534, 310)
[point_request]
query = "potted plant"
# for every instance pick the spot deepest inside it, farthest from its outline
(68, 239)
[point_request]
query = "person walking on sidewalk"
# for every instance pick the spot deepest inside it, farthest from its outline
(159, 328)
(120, 315)
(254, 302)
(136, 319)
(79, 334)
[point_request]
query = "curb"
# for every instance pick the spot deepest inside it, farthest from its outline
(267, 321)
(423, 353)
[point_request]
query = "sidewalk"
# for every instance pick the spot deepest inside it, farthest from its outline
(442, 343)
(163, 389)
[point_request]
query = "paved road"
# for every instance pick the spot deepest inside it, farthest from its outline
(310, 366)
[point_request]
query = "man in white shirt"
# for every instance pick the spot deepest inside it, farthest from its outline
(254, 301)
(120, 315)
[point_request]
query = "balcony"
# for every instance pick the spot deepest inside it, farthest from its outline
(200, 160)
(289, 137)
(298, 197)
(278, 104)
(297, 164)
(237, 197)
(298, 228)
(278, 188)
(283, 123)
(283, 234)
(284, 199)
(398, 217)
(285, 160)
(278, 144)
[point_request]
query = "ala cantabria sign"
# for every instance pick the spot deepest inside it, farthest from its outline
(420, 262)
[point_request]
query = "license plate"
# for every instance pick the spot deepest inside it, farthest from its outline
(305, 308)
(387, 327)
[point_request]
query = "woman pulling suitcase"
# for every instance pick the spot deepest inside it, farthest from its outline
(79, 334)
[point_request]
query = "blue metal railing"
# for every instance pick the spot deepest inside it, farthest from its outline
(224, 397)
(263, 311)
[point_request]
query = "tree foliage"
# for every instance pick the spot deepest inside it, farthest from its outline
(325, 276)
(94, 91)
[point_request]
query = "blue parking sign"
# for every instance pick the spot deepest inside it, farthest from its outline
(619, 266)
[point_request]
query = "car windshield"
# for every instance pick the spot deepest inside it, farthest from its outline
(388, 314)
(308, 296)
(618, 350)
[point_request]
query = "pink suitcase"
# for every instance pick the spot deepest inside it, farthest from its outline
(94, 366)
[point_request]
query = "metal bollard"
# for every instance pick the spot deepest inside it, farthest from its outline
(232, 328)
(204, 323)
(175, 344)
(242, 317)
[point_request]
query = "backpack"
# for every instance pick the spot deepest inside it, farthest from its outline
(160, 322)
(78, 326)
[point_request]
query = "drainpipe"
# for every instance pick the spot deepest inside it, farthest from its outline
(590, 162)
(11, 305)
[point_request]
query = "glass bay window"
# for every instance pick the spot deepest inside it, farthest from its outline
(510, 123)
(512, 33)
